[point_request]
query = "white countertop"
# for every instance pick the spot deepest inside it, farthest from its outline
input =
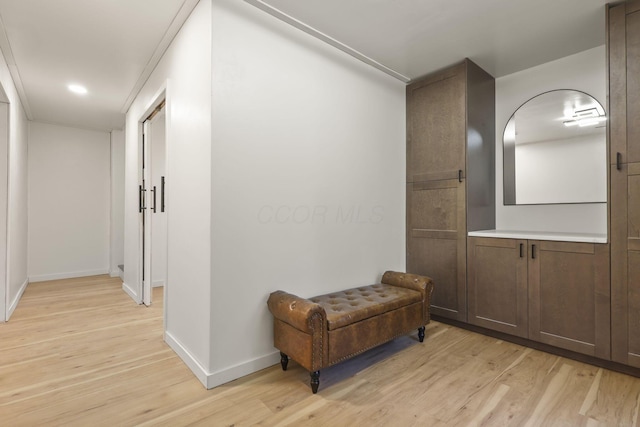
(541, 235)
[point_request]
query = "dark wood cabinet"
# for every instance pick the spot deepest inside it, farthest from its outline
(624, 81)
(552, 292)
(569, 299)
(625, 263)
(436, 214)
(624, 134)
(497, 284)
(436, 133)
(450, 187)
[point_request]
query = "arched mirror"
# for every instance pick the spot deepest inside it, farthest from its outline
(555, 150)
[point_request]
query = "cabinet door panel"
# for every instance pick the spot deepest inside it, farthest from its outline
(617, 83)
(436, 242)
(624, 95)
(633, 201)
(619, 270)
(569, 296)
(632, 6)
(439, 259)
(562, 297)
(497, 285)
(625, 264)
(624, 82)
(436, 136)
(630, 289)
(434, 205)
(634, 308)
(633, 87)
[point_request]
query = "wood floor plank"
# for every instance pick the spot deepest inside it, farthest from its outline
(616, 400)
(592, 394)
(79, 352)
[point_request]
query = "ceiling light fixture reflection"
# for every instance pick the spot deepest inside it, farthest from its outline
(587, 121)
(588, 112)
(586, 117)
(591, 121)
(78, 89)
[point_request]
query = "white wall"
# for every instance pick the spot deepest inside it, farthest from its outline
(586, 72)
(117, 202)
(18, 206)
(308, 184)
(69, 202)
(185, 73)
(158, 158)
(15, 280)
(579, 163)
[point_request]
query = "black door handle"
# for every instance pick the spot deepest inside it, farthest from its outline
(162, 194)
(141, 205)
(521, 250)
(154, 199)
(533, 251)
(619, 161)
(459, 175)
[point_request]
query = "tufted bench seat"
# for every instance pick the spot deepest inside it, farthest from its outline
(321, 331)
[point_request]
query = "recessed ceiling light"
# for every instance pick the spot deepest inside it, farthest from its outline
(78, 89)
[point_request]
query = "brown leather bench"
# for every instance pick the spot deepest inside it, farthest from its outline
(322, 331)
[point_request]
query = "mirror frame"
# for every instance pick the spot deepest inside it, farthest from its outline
(509, 158)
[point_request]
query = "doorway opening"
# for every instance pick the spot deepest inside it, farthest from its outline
(152, 207)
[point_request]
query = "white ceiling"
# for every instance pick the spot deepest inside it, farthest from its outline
(416, 37)
(111, 46)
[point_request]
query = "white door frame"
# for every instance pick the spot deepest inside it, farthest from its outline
(144, 178)
(146, 214)
(158, 165)
(5, 303)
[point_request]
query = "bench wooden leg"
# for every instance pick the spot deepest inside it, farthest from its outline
(315, 381)
(284, 361)
(421, 333)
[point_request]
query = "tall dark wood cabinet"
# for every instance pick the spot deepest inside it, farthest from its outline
(624, 133)
(450, 177)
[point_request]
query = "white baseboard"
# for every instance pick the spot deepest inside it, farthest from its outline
(129, 291)
(240, 370)
(117, 272)
(16, 300)
(69, 275)
(198, 370)
(211, 380)
(157, 284)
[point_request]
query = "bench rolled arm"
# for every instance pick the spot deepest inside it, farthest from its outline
(296, 311)
(422, 284)
(410, 281)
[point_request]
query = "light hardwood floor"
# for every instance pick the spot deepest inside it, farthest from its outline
(79, 353)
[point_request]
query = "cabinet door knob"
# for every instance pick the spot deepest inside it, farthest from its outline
(459, 175)
(619, 161)
(533, 251)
